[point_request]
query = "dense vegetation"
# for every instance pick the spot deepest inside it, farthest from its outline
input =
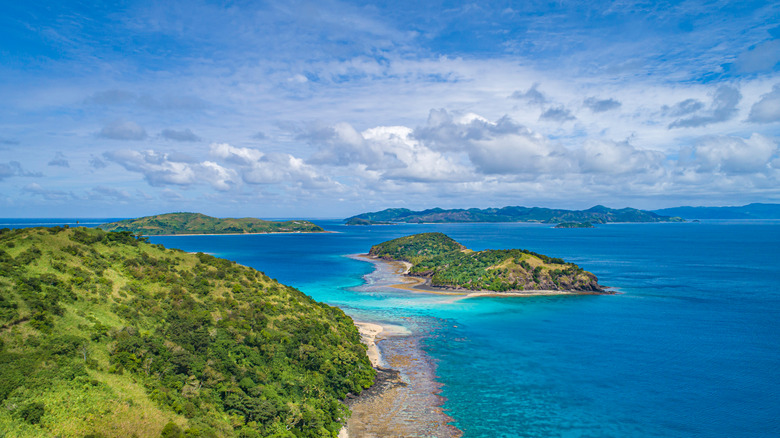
(448, 264)
(361, 221)
(196, 223)
(105, 335)
(597, 215)
(574, 225)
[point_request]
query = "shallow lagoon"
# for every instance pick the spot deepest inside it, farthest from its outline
(691, 346)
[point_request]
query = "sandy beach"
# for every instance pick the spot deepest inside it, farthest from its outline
(368, 333)
(404, 400)
(422, 285)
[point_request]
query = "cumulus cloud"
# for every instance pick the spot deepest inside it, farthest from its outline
(532, 95)
(59, 160)
(413, 160)
(183, 135)
(723, 107)
(501, 147)
(557, 114)
(14, 168)
(393, 152)
(767, 110)
(601, 105)
(609, 157)
(162, 169)
(123, 130)
(733, 155)
(257, 167)
(342, 145)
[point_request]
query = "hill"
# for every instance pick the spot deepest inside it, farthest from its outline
(448, 264)
(596, 215)
(750, 211)
(196, 223)
(105, 335)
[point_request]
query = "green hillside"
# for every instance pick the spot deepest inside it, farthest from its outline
(196, 223)
(105, 335)
(449, 265)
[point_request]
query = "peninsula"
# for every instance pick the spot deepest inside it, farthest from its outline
(595, 215)
(445, 264)
(197, 223)
(105, 335)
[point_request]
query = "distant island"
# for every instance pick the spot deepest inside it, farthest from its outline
(105, 335)
(361, 221)
(197, 223)
(446, 264)
(595, 215)
(750, 211)
(574, 225)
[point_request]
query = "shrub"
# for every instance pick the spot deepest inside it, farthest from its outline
(32, 412)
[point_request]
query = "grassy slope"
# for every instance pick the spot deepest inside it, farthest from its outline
(448, 264)
(103, 334)
(196, 223)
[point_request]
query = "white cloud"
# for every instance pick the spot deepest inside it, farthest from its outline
(609, 158)
(162, 169)
(47, 194)
(123, 130)
(14, 168)
(767, 110)
(723, 107)
(557, 114)
(600, 105)
(392, 151)
(734, 155)
(532, 96)
(257, 167)
(184, 135)
(59, 160)
(413, 160)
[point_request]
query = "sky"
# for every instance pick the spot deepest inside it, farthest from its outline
(329, 108)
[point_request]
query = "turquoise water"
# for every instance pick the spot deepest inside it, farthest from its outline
(690, 348)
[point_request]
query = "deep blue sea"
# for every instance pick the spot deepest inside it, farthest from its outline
(689, 348)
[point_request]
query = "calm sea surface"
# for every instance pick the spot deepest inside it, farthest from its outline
(690, 348)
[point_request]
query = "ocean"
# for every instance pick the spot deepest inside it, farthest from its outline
(689, 347)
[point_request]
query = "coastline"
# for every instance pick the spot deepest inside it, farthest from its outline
(237, 234)
(404, 400)
(422, 285)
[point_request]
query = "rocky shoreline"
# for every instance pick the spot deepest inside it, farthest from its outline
(404, 400)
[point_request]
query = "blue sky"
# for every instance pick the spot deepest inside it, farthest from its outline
(329, 109)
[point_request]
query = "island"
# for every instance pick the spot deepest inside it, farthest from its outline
(105, 335)
(361, 221)
(574, 225)
(596, 215)
(446, 265)
(197, 223)
(750, 211)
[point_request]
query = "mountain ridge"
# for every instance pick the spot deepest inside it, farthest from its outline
(597, 214)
